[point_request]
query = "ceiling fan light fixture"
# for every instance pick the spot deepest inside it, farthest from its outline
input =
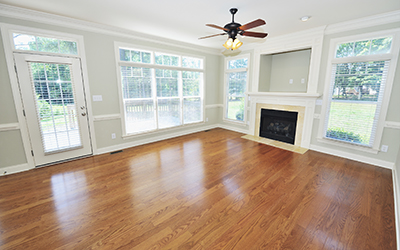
(236, 44)
(233, 29)
(228, 44)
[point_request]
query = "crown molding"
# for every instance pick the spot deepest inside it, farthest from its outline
(375, 20)
(46, 18)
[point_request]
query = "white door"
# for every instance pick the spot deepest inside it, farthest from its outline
(55, 108)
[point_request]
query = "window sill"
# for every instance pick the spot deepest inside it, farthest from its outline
(347, 145)
(150, 132)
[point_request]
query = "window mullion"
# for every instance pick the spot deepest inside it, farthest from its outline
(180, 94)
(154, 95)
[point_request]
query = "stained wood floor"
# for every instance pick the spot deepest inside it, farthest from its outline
(209, 190)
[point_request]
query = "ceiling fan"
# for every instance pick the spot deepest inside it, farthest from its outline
(233, 29)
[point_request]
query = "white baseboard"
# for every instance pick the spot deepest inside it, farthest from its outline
(355, 157)
(14, 169)
(232, 128)
(153, 139)
(396, 197)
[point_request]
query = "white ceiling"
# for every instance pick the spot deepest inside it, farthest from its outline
(184, 20)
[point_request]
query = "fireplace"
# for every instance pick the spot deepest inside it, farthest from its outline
(278, 125)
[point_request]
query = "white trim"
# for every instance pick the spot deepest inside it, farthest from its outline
(9, 126)
(348, 145)
(390, 124)
(15, 169)
(351, 156)
(153, 139)
(212, 106)
(236, 129)
(97, 118)
(396, 197)
(46, 18)
(284, 94)
(8, 52)
(375, 20)
(312, 38)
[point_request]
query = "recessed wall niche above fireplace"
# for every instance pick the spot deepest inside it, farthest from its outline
(278, 125)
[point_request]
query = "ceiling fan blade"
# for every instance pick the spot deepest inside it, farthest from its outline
(254, 34)
(216, 26)
(212, 36)
(253, 24)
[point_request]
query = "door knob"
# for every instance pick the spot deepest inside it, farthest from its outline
(83, 113)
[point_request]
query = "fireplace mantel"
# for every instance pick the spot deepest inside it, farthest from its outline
(285, 101)
(284, 94)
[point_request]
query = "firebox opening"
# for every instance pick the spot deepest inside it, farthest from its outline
(278, 125)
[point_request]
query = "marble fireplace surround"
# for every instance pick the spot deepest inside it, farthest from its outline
(303, 103)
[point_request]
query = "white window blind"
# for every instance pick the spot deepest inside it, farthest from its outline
(356, 91)
(53, 86)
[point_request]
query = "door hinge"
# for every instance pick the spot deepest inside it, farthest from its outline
(23, 111)
(32, 153)
(15, 68)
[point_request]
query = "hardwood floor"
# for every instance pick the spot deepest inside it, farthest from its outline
(209, 190)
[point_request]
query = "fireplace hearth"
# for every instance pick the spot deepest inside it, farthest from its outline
(278, 125)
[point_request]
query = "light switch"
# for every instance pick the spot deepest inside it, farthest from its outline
(97, 98)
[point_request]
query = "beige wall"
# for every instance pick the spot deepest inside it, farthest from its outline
(276, 71)
(102, 75)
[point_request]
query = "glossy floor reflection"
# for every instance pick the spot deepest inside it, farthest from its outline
(208, 190)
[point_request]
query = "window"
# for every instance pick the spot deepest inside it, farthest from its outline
(236, 86)
(358, 81)
(27, 42)
(159, 90)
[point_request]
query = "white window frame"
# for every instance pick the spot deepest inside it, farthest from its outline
(226, 72)
(152, 65)
(392, 57)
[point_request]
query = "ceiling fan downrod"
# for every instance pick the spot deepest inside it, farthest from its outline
(233, 12)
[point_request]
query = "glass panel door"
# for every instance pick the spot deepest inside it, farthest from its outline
(54, 103)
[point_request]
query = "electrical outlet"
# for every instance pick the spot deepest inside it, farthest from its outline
(97, 98)
(384, 148)
(207, 119)
(290, 81)
(303, 80)
(113, 136)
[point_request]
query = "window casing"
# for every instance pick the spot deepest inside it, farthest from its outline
(159, 90)
(360, 79)
(236, 84)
